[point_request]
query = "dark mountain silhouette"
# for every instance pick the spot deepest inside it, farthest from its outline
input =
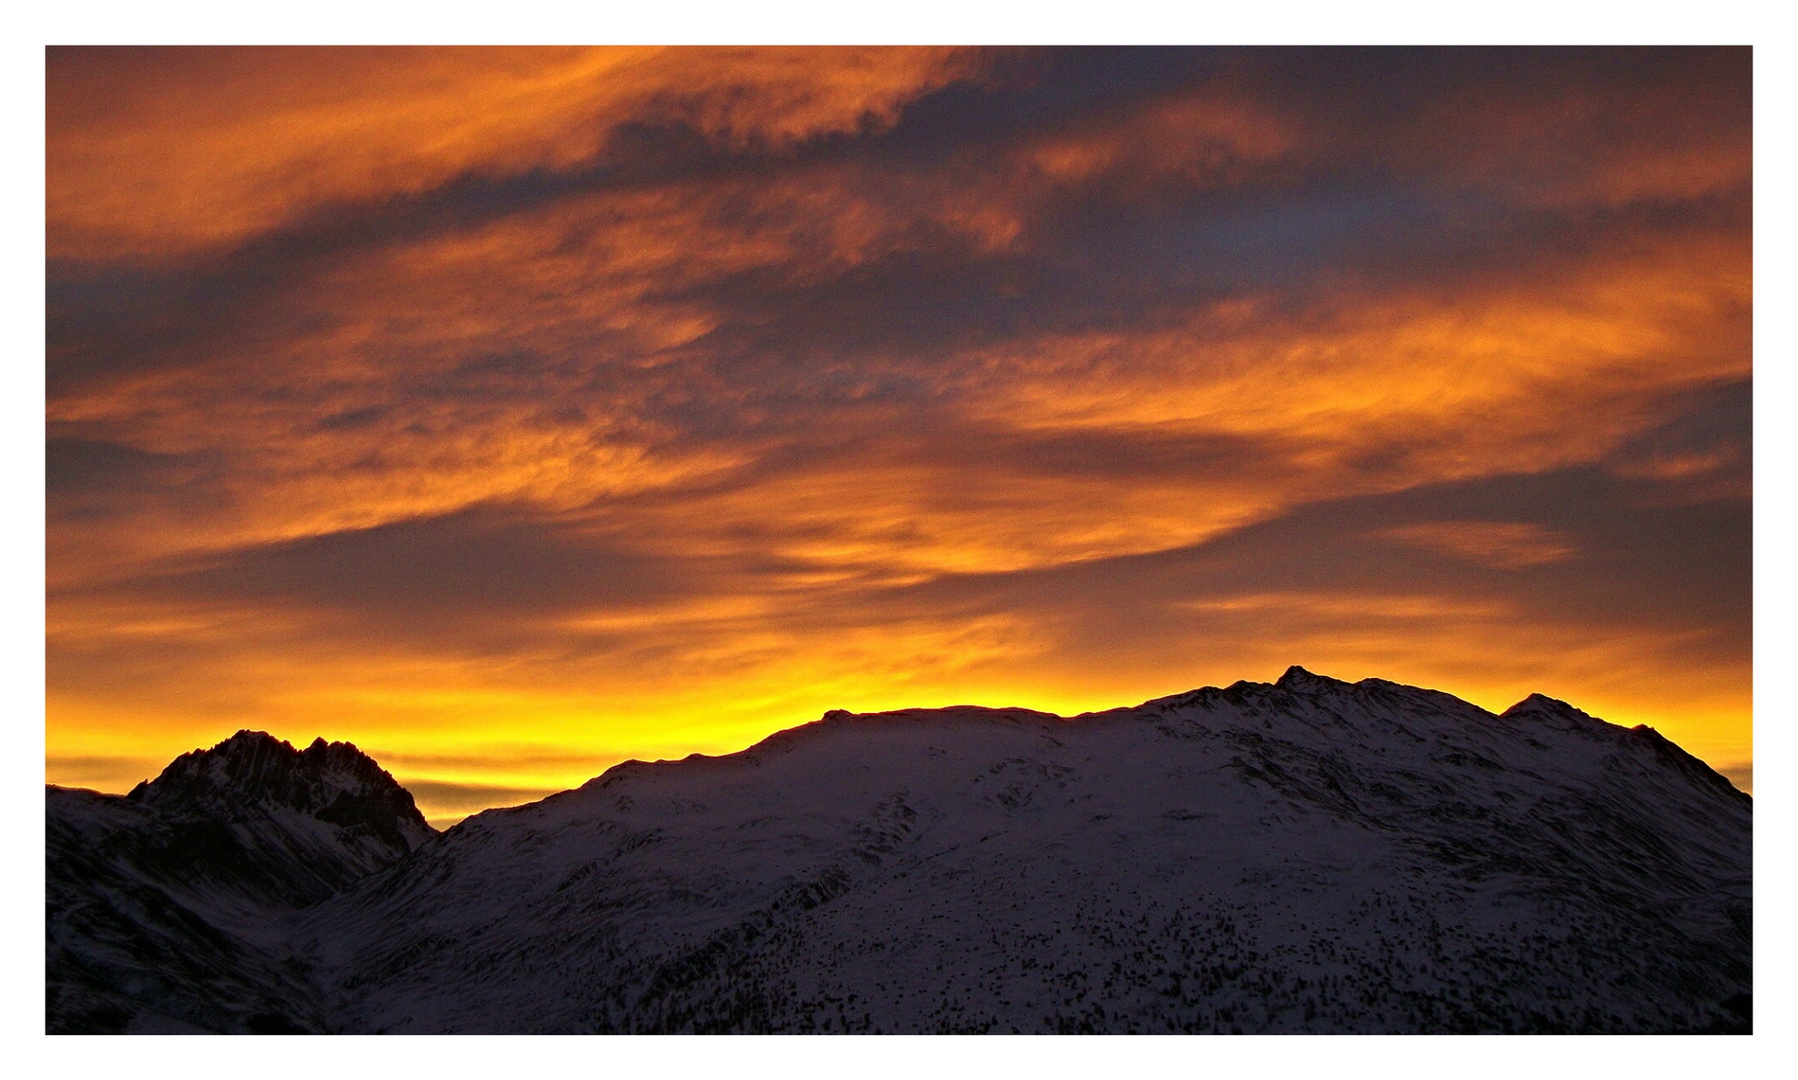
(161, 903)
(1308, 855)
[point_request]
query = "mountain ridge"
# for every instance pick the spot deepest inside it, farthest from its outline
(1303, 855)
(166, 892)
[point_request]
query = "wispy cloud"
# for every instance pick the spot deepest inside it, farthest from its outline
(643, 401)
(1502, 545)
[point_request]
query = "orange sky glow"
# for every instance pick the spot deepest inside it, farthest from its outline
(514, 412)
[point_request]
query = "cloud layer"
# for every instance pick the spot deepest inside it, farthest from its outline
(526, 410)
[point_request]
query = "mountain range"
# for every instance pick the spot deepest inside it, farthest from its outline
(1309, 855)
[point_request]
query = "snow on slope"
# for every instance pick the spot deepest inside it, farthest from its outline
(1304, 856)
(163, 906)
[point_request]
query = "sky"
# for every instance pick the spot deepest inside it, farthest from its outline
(512, 413)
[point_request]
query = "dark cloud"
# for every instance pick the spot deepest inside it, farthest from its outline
(1702, 452)
(90, 480)
(1033, 92)
(484, 566)
(72, 465)
(1106, 454)
(350, 419)
(120, 319)
(1107, 256)
(1632, 564)
(1131, 256)
(1583, 101)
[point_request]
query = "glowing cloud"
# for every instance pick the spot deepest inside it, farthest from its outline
(512, 412)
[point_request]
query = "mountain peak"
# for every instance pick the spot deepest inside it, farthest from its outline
(252, 772)
(1297, 678)
(1542, 707)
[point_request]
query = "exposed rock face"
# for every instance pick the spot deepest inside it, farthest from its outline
(1308, 855)
(163, 905)
(300, 824)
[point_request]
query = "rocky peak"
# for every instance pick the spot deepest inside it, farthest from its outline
(1298, 680)
(252, 772)
(1552, 711)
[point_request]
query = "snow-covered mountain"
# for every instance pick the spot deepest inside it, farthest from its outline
(1308, 855)
(162, 904)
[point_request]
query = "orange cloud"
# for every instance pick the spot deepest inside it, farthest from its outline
(1502, 545)
(160, 150)
(512, 412)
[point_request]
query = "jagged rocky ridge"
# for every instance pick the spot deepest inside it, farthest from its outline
(163, 905)
(1309, 855)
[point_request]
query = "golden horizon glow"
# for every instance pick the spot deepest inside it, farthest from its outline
(514, 412)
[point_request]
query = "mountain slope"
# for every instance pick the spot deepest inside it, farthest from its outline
(163, 906)
(1303, 856)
